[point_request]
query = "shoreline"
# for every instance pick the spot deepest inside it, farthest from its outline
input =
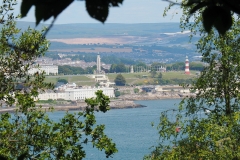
(80, 106)
(123, 102)
(156, 96)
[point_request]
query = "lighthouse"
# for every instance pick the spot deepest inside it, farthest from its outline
(187, 66)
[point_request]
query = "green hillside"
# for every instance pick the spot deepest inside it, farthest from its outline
(131, 78)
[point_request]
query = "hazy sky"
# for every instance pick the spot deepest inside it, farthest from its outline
(132, 11)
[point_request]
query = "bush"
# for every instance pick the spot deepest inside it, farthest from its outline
(64, 81)
(120, 80)
(117, 93)
(136, 90)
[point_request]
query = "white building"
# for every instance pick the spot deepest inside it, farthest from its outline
(48, 69)
(81, 94)
(75, 93)
(102, 79)
(52, 95)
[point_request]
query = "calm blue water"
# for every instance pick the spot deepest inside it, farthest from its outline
(130, 129)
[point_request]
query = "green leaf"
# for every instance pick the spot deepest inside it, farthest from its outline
(22, 157)
(224, 20)
(191, 2)
(25, 7)
(197, 7)
(217, 16)
(45, 9)
(3, 158)
(208, 18)
(99, 9)
(39, 15)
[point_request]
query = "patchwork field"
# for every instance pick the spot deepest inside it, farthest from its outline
(95, 50)
(103, 40)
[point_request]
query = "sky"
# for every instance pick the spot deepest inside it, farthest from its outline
(131, 11)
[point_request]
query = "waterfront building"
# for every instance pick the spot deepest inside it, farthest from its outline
(187, 66)
(49, 69)
(68, 92)
(50, 94)
(83, 93)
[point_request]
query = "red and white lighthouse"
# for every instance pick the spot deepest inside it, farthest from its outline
(187, 66)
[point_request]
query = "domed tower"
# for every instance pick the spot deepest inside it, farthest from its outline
(187, 66)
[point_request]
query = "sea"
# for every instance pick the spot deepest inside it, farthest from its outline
(130, 129)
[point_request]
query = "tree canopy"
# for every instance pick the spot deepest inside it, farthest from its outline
(64, 81)
(118, 68)
(120, 80)
(29, 132)
(206, 126)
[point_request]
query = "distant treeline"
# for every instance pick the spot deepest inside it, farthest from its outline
(69, 70)
(179, 66)
(122, 68)
(93, 57)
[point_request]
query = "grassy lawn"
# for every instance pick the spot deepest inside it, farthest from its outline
(131, 78)
(84, 83)
(70, 78)
(178, 75)
(112, 76)
(144, 81)
(166, 75)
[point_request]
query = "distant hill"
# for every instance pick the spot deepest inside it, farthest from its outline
(99, 30)
(148, 42)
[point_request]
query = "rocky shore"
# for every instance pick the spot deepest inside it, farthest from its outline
(114, 104)
(154, 96)
(123, 102)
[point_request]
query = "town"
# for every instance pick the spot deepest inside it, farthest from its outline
(70, 90)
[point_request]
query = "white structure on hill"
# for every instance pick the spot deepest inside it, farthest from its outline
(98, 64)
(71, 92)
(132, 71)
(49, 69)
(161, 69)
(100, 76)
(102, 79)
